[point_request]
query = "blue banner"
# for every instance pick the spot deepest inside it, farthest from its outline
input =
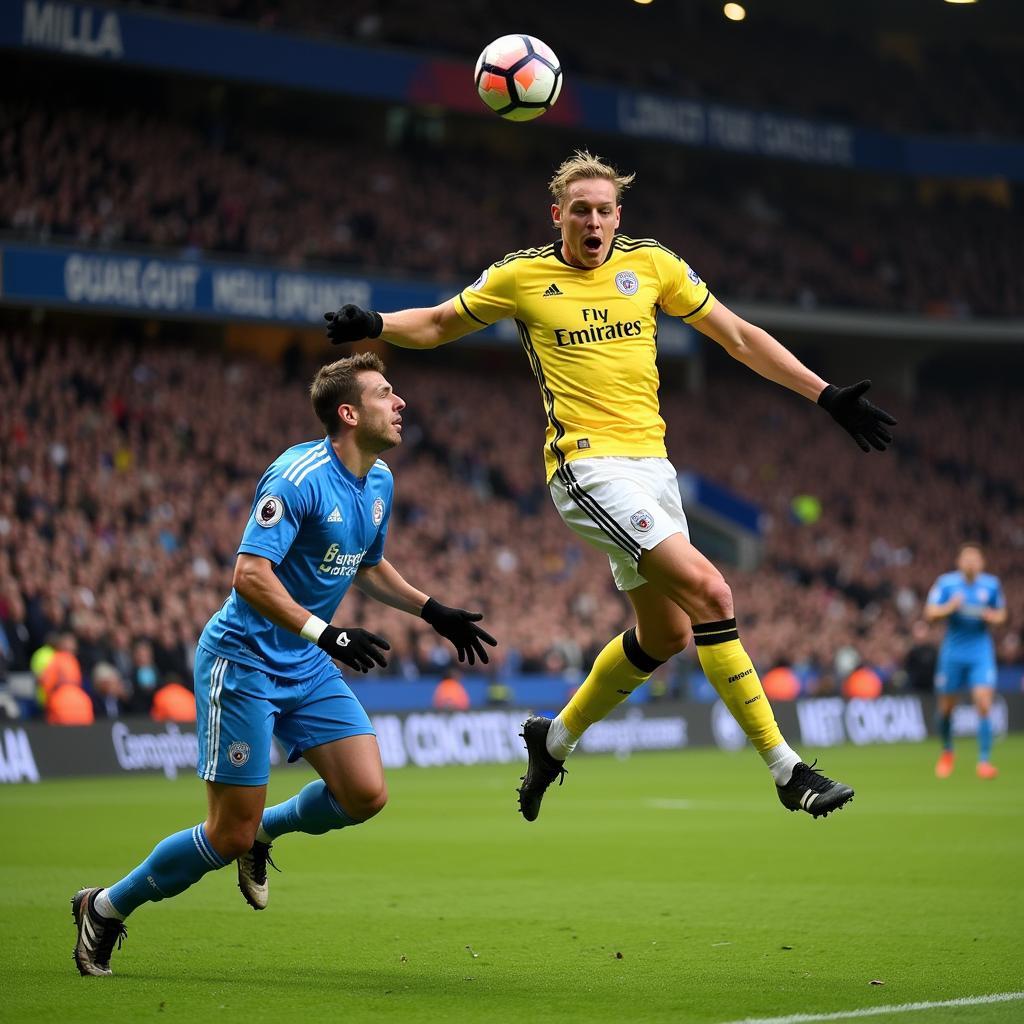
(141, 283)
(232, 51)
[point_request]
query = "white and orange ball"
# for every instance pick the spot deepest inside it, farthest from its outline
(518, 77)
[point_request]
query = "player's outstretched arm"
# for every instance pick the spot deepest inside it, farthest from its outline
(384, 583)
(257, 584)
(408, 328)
(754, 347)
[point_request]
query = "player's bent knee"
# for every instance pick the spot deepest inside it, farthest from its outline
(663, 646)
(362, 802)
(232, 840)
(716, 598)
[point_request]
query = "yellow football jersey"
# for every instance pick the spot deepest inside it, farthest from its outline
(590, 336)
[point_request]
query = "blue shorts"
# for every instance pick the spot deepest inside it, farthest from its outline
(239, 709)
(953, 675)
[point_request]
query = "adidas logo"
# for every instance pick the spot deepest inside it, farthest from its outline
(335, 516)
(553, 289)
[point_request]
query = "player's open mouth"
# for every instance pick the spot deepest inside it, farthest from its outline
(592, 244)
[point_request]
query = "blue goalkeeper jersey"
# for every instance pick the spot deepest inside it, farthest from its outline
(318, 524)
(967, 633)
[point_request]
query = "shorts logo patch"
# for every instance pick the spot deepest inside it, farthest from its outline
(642, 521)
(270, 511)
(626, 282)
(583, 444)
(238, 753)
(479, 282)
(378, 511)
(693, 275)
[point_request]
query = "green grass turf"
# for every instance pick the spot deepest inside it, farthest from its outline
(450, 907)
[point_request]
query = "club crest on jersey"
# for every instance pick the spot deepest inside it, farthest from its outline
(642, 520)
(479, 282)
(238, 753)
(378, 511)
(626, 282)
(693, 275)
(269, 511)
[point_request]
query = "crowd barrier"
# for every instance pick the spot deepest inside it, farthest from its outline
(33, 752)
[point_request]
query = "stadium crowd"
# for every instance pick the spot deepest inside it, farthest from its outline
(889, 82)
(135, 177)
(126, 476)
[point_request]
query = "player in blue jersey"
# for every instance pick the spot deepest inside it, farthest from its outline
(971, 600)
(264, 665)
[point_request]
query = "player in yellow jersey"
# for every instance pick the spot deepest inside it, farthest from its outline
(585, 310)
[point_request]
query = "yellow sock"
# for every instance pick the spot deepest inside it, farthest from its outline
(731, 672)
(617, 671)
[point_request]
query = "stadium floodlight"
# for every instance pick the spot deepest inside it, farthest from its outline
(734, 12)
(961, 1)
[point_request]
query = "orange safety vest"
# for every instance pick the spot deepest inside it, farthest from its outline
(451, 695)
(863, 683)
(69, 705)
(63, 668)
(173, 703)
(781, 683)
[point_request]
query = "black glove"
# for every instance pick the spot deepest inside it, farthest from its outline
(856, 415)
(459, 626)
(351, 323)
(354, 647)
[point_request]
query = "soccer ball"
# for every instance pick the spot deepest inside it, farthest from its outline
(518, 77)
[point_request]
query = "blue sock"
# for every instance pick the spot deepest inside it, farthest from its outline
(312, 810)
(176, 863)
(984, 738)
(946, 731)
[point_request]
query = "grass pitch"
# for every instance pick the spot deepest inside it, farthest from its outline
(667, 887)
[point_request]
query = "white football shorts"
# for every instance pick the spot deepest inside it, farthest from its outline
(623, 506)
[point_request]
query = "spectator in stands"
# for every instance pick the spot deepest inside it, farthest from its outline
(109, 693)
(920, 661)
(61, 668)
(145, 677)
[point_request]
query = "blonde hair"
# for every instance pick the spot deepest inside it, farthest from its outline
(582, 165)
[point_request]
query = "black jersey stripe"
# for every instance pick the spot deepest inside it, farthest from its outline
(471, 313)
(599, 515)
(549, 398)
(526, 254)
(694, 312)
(649, 244)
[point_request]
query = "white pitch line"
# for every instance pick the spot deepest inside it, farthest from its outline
(878, 1011)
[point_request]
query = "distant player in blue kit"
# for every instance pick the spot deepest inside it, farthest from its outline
(264, 665)
(972, 601)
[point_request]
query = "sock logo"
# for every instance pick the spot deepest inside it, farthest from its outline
(756, 696)
(625, 693)
(741, 675)
(238, 753)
